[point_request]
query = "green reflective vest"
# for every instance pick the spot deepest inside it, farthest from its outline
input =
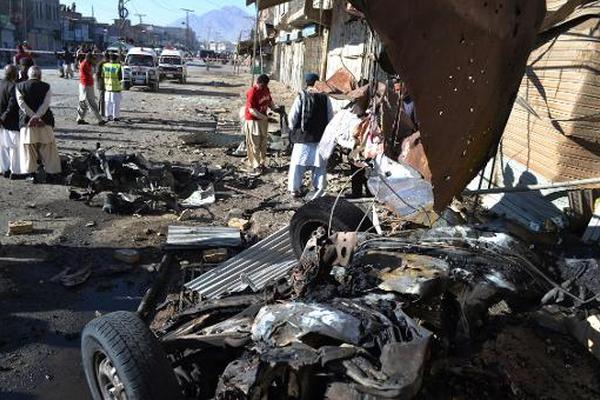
(112, 77)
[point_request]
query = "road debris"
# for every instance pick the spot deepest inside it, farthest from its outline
(200, 197)
(359, 314)
(128, 256)
(188, 237)
(131, 184)
(19, 228)
(214, 256)
(239, 223)
(72, 279)
(264, 263)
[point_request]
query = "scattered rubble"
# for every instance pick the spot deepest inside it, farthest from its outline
(131, 184)
(128, 256)
(19, 228)
(239, 223)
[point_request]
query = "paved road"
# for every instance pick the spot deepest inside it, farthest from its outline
(40, 320)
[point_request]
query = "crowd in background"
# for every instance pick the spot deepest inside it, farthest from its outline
(27, 143)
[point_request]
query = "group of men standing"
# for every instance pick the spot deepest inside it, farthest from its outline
(27, 140)
(27, 124)
(108, 74)
(308, 118)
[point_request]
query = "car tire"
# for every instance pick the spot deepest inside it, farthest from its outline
(119, 351)
(346, 218)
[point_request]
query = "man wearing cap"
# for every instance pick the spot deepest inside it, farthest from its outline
(256, 122)
(309, 115)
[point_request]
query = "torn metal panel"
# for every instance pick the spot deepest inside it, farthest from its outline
(462, 62)
(202, 237)
(261, 264)
(280, 325)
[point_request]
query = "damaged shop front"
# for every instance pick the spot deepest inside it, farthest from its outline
(415, 301)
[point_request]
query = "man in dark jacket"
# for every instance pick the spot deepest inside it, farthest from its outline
(309, 116)
(9, 123)
(36, 122)
(69, 59)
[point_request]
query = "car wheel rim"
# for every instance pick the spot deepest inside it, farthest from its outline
(110, 384)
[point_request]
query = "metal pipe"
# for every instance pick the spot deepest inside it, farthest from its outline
(532, 188)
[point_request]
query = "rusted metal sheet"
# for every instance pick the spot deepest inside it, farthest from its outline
(462, 61)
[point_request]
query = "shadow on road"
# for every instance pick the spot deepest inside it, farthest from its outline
(216, 84)
(41, 320)
(193, 92)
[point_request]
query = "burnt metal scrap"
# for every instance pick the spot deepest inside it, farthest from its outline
(462, 62)
(361, 316)
(131, 184)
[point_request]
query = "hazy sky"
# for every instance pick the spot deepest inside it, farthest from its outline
(158, 12)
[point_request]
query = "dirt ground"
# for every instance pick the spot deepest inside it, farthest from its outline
(40, 320)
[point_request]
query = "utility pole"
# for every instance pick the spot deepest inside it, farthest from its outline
(140, 16)
(123, 14)
(187, 26)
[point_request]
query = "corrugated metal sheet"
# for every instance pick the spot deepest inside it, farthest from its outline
(266, 261)
(203, 237)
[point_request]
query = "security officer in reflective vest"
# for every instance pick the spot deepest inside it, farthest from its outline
(113, 73)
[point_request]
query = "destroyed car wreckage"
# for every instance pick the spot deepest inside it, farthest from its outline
(362, 315)
(131, 184)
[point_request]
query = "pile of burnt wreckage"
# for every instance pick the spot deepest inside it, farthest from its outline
(359, 303)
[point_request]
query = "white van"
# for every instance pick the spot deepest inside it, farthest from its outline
(141, 69)
(172, 64)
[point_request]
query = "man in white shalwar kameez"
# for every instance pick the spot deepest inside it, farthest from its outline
(36, 122)
(9, 124)
(308, 118)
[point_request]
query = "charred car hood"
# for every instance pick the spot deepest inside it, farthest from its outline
(462, 62)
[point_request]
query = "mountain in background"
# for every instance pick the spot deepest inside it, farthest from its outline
(223, 24)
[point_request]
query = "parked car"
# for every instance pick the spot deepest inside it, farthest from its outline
(141, 69)
(172, 64)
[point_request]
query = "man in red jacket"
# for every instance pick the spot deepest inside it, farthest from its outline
(87, 96)
(256, 124)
